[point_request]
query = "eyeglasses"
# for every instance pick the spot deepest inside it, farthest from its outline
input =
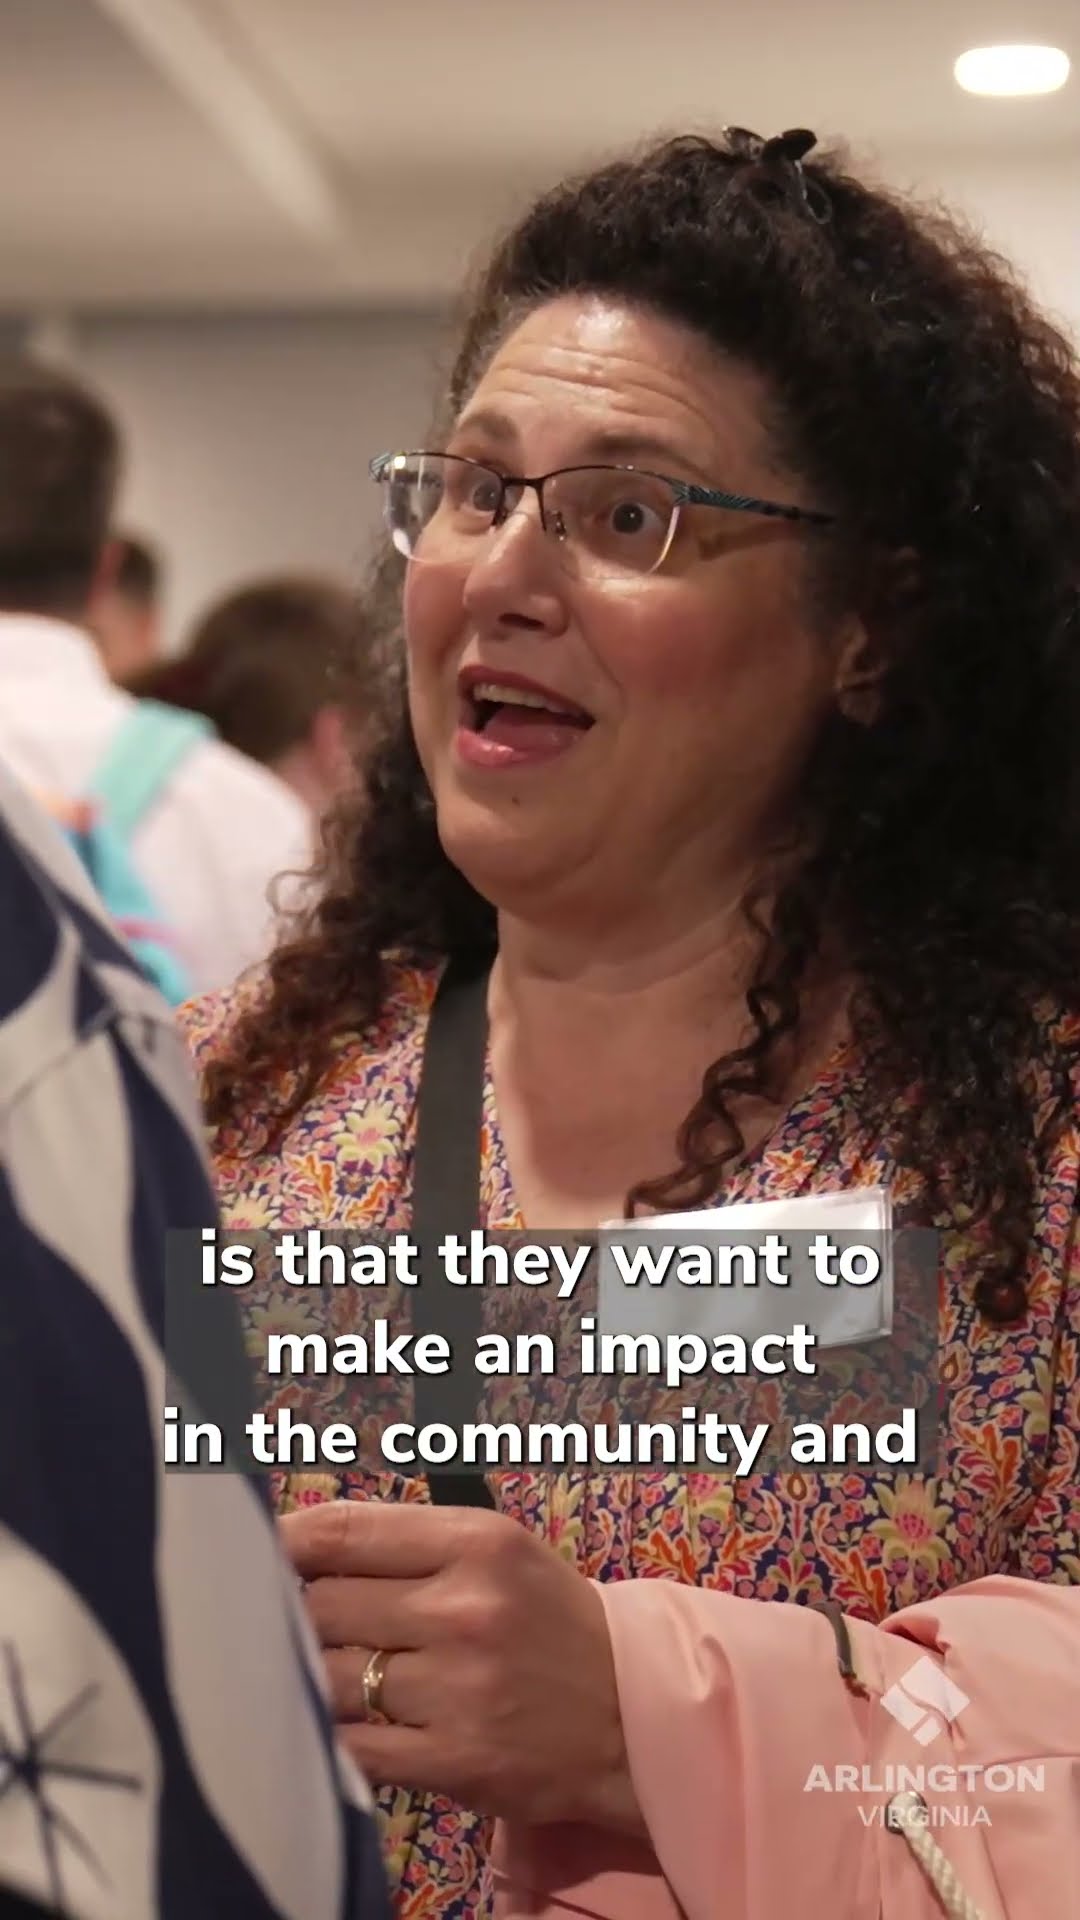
(612, 519)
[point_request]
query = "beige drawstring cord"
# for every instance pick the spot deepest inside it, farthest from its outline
(907, 1814)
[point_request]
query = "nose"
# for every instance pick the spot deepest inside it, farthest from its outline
(515, 581)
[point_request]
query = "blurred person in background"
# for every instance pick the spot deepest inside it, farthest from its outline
(729, 785)
(127, 613)
(208, 831)
(279, 668)
(147, 1772)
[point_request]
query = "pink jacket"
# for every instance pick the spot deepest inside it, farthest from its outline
(765, 1776)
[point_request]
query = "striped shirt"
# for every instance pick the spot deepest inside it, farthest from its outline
(165, 1751)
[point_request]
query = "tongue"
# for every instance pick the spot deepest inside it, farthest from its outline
(531, 729)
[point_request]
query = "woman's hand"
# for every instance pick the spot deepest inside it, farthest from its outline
(499, 1689)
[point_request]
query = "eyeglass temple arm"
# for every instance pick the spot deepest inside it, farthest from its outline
(695, 496)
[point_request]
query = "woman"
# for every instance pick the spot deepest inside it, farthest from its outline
(277, 666)
(760, 803)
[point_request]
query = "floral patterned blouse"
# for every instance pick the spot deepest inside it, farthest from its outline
(1008, 1500)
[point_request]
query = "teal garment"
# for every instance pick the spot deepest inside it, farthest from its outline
(145, 752)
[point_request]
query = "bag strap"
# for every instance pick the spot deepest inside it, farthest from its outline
(144, 752)
(446, 1199)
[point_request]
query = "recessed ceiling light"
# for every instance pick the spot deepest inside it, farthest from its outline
(1012, 70)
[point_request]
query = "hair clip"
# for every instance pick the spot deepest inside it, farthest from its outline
(783, 155)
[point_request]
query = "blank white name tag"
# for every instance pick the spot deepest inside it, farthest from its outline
(669, 1274)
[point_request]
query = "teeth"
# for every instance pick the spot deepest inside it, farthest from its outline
(514, 697)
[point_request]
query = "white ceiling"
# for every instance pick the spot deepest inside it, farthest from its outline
(281, 153)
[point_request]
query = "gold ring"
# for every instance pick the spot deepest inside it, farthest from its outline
(372, 1685)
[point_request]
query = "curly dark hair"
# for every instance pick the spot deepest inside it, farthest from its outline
(937, 413)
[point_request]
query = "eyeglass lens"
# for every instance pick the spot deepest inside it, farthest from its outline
(438, 507)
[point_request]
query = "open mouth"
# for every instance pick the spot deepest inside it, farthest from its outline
(526, 718)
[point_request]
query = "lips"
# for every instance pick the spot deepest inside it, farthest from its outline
(508, 720)
(486, 694)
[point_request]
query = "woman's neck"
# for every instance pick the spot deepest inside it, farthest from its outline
(599, 1049)
(645, 970)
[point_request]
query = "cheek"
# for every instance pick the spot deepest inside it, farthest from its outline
(432, 613)
(741, 646)
(676, 652)
(432, 627)
(729, 687)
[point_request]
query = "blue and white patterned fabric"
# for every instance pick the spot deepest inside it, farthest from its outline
(164, 1748)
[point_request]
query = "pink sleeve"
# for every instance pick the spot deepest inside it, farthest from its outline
(737, 1719)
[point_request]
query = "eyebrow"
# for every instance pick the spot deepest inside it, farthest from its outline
(607, 444)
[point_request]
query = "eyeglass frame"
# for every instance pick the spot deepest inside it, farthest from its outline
(686, 493)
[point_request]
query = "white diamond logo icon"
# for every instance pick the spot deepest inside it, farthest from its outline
(925, 1701)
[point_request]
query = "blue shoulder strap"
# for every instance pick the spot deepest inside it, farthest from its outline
(145, 750)
(131, 908)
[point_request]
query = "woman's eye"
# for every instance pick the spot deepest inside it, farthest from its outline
(470, 492)
(632, 516)
(484, 496)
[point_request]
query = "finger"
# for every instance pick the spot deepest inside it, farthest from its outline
(407, 1540)
(363, 1612)
(405, 1757)
(408, 1690)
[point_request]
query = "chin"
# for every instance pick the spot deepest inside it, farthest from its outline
(507, 859)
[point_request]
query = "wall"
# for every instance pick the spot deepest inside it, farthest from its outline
(249, 440)
(1028, 207)
(250, 437)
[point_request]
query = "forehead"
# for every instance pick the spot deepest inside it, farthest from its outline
(592, 373)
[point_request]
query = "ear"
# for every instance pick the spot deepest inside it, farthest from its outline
(104, 578)
(332, 747)
(860, 664)
(862, 657)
